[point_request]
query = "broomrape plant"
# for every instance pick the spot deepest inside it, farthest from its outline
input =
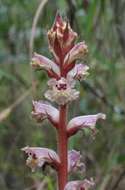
(63, 71)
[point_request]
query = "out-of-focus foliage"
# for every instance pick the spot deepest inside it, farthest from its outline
(101, 23)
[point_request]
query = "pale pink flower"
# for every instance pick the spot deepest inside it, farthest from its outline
(82, 122)
(79, 72)
(74, 161)
(39, 157)
(77, 52)
(80, 185)
(43, 110)
(62, 91)
(42, 62)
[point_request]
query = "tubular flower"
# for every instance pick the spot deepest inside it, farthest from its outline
(62, 91)
(79, 72)
(60, 37)
(41, 62)
(80, 185)
(42, 110)
(82, 122)
(74, 161)
(77, 52)
(39, 157)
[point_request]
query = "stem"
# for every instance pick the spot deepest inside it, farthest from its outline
(62, 148)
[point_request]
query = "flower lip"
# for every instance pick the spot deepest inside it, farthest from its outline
(43, 110)
(77, 52)
(61, 91)
(41, 62)
(38, 157)
(61, 87)
(74, 161)
(79, 72)
(61, 84)
(82, 122)
(89, 120)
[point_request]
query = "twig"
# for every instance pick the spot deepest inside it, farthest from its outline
(35, 21)
(115, 186)
(31, 43)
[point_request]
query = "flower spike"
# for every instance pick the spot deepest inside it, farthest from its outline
(42, 110)
(63, 71)
(82, 122)
(38, 157)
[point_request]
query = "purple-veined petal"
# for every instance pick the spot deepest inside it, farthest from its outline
(38, 157)
(82, 122)
(42, 62)
(74, 163)
(80, 185)
(61, 91)
(42, 110)
(79, 72)
(77, 52)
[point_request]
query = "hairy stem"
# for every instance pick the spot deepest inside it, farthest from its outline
(62, 148)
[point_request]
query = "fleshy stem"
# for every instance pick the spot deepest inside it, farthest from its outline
(62, 148)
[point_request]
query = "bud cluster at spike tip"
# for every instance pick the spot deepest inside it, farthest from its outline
(61, 38)
(66, 67)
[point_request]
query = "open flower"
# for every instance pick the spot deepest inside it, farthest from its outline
(80, 185)
(74, 163)
(79, 72)
(42, 62)
(61, 37)
(43, 110)
(82, 122)
(39, 157)
(62, 91)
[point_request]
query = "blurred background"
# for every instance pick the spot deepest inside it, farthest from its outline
(101, 23)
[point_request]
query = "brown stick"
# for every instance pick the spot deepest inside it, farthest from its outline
(31, 43)
(116, 184)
